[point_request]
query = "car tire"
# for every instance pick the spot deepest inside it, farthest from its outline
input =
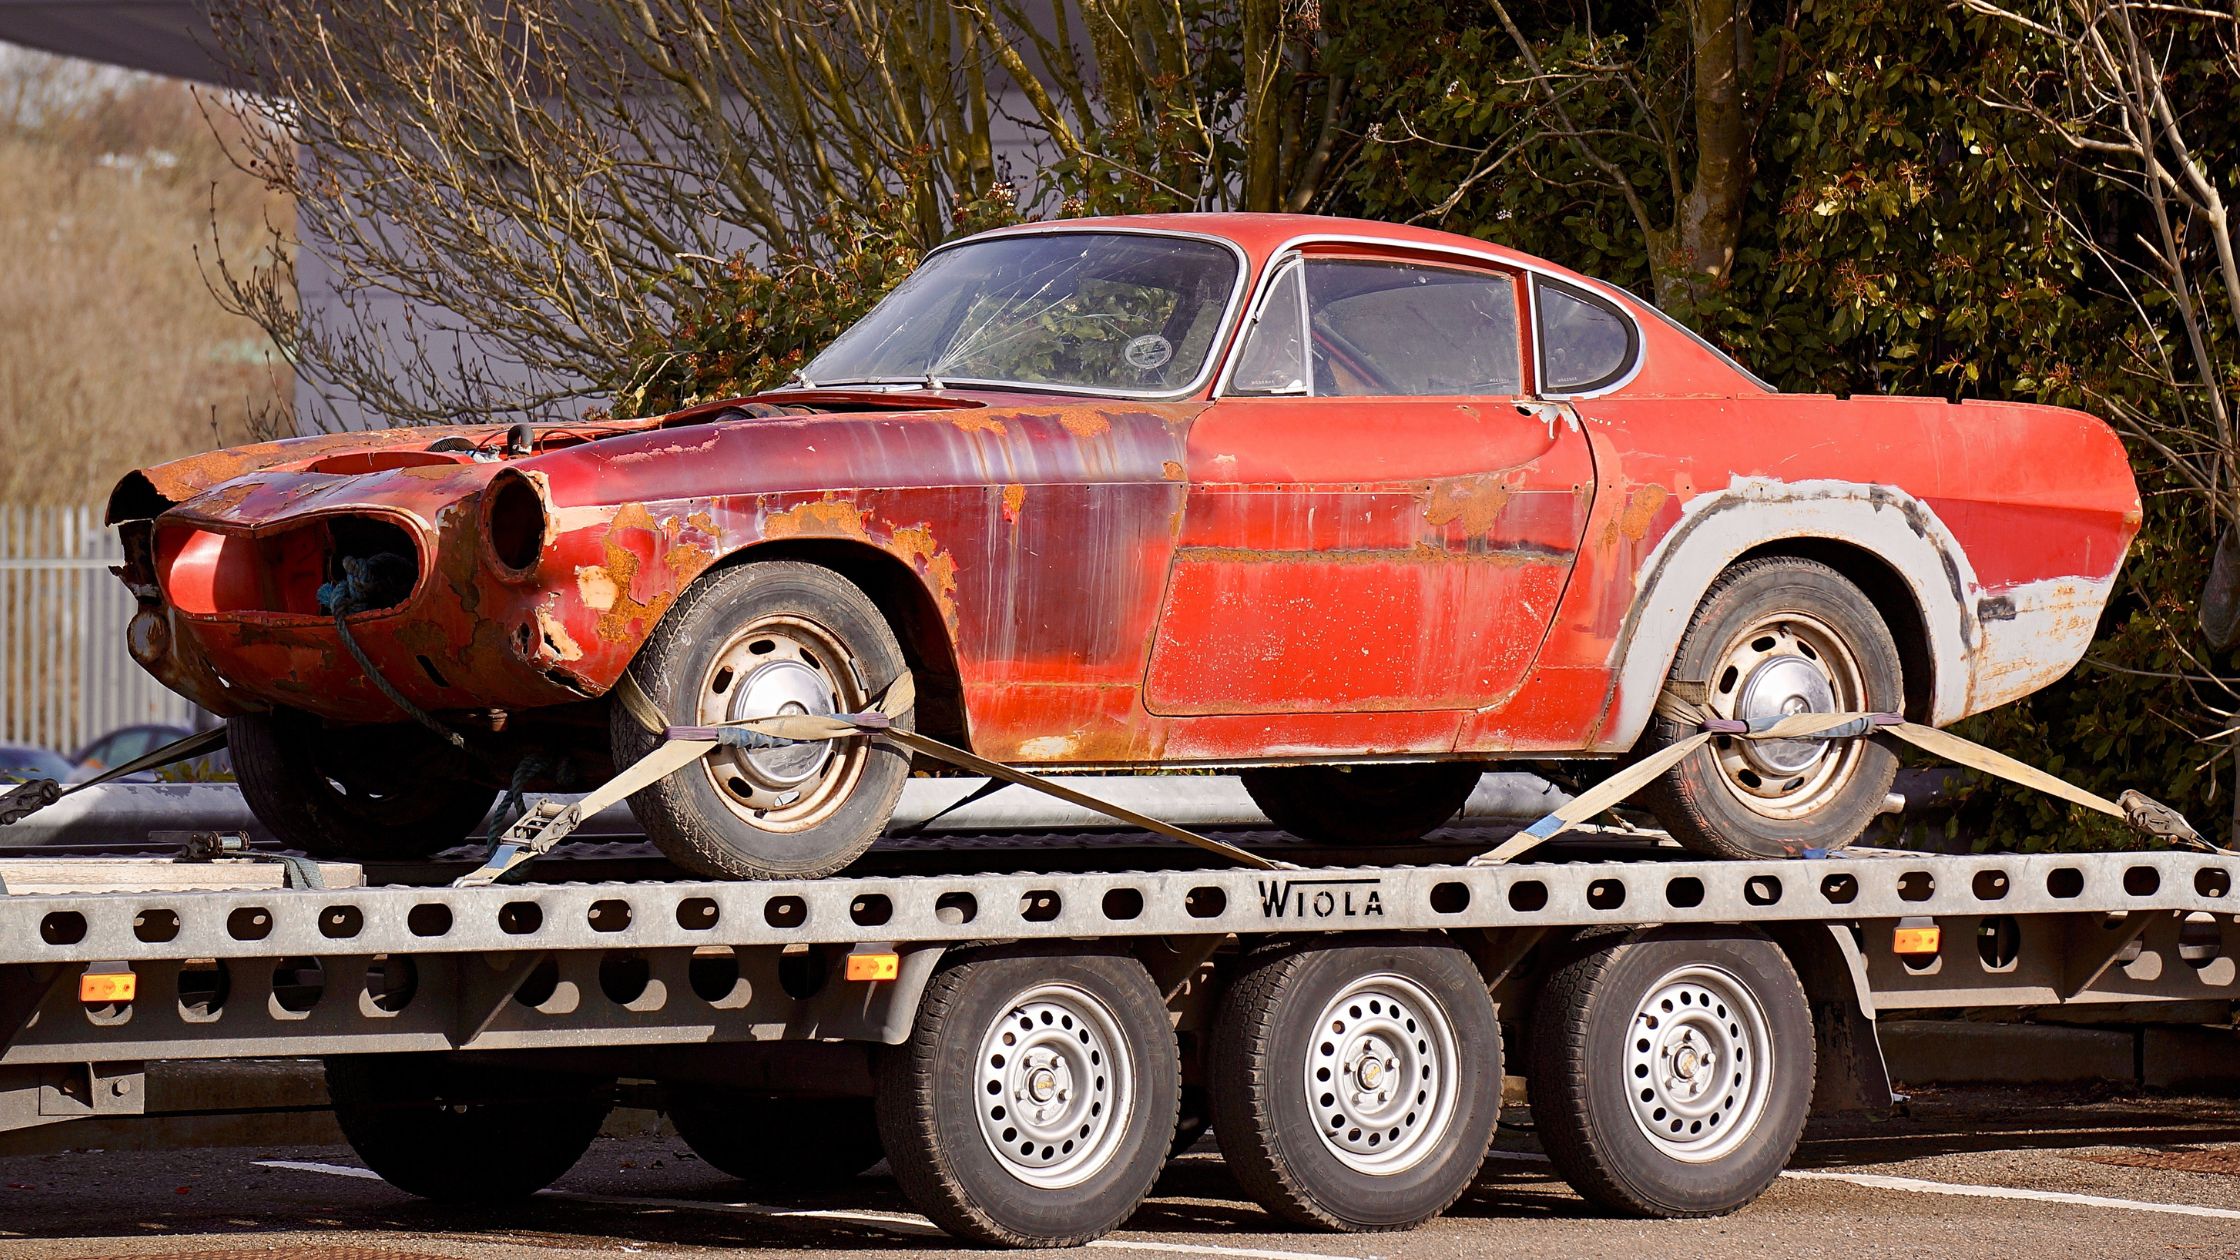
(1287, 1027)
(1772, 634)
(1084, 1165)
(753, 640)
(465, 1133)
(1622, 1008)
(367, 794)
(1362, 804)
(781, 1142)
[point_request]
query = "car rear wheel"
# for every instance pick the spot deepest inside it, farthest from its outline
(1780, 636)
(1362, 804)
(362, 793)
(762, 640)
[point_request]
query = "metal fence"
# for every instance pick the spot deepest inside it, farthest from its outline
(65, 676)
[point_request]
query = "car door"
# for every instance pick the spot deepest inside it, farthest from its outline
(1377, 518)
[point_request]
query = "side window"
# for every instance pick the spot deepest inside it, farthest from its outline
(1272, 361)
(1584, 342)
(1400, 329)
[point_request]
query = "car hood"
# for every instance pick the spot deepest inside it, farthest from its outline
(292, 476)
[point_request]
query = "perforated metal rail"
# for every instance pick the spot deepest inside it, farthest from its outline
(307, 971)
(950, 908)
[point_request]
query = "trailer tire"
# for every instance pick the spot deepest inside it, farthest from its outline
(1362, 804)
(1091, 1052)
(460, 1133)
(1295, 1020)
(1672, 1069)
(821, 1143)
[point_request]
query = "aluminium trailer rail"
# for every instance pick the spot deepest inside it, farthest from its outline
(711, 985)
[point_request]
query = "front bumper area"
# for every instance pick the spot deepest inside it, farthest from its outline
(231, 614)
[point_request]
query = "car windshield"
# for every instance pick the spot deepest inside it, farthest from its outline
(1100, 312)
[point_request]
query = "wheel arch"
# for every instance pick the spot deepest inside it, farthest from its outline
(903, 598)
(1891, 596)
(1880, 534)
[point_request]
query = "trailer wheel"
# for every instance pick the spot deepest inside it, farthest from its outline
(463, 1133)
(1672, 1069)
(793, 1143)
(1034, 1101)
(1357, 1088)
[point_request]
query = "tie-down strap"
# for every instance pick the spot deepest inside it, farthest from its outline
(32, 795)
(2145, 814)
(544, 826)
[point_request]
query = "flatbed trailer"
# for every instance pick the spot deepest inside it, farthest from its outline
(1025, 1046)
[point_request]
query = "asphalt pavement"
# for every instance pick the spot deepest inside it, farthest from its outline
(1958, 1173)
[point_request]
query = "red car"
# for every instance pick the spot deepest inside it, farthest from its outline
(1352, 507)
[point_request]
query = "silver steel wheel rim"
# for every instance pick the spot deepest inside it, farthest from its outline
(1054, 1086)
(774, 666)
(1785, 664)
(1698, 1063)
(1380, 1074)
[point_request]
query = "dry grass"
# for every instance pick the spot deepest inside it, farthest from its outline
(113, 353)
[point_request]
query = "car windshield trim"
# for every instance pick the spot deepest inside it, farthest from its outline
(1216, 351)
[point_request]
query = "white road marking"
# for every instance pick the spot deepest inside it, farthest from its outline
(331, 1170)
(1193, 1249)
(1877, 1181)
(895, 1222)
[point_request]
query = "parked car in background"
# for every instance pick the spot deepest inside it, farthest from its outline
(1354, 508)
(127, 742)
(19, 762)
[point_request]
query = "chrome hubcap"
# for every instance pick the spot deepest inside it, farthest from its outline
(776, 667)
(1698, 1062)
(783, 688)
(1784, 665)
(1055, 1086)
(1778, 687)
(1380, 1079)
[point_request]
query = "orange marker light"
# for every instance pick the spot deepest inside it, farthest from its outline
(874, 966)
(107, 986)
(1917, 940)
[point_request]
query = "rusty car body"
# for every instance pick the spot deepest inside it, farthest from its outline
(1319, 568)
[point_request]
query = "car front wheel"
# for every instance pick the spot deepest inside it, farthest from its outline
(768, 639)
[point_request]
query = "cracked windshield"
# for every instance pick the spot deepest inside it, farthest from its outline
(1113, 313)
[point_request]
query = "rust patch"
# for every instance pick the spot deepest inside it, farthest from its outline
(622, 570)
(1476, 502)
(685, 561)
(974, 422)
(1171, 470)
(1085, 424)
(917, 546)
(1014, 498)
(1640, 512)
(818, 518)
